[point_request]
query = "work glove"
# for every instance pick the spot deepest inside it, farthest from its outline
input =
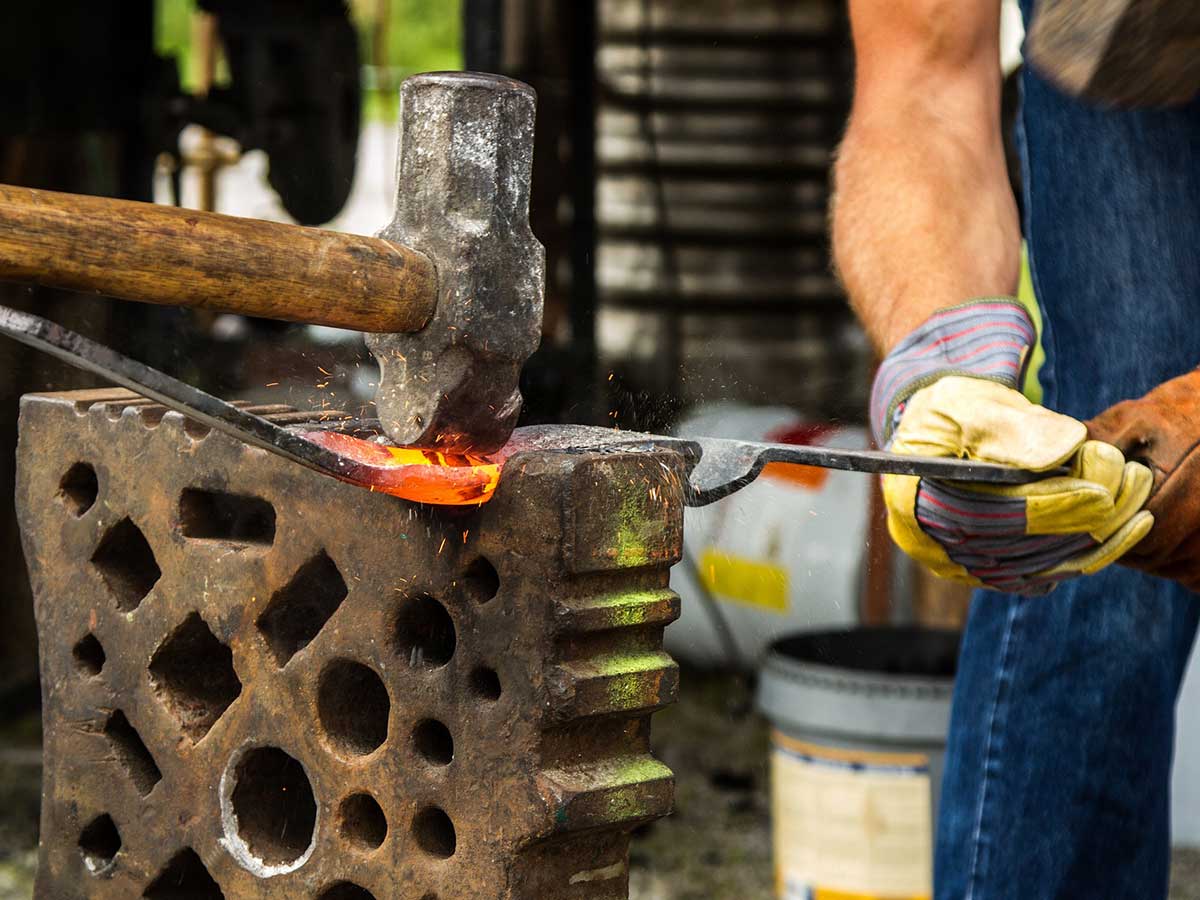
(950, 389)
(1162, 429)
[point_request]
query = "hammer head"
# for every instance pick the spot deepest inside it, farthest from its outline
(466, 155)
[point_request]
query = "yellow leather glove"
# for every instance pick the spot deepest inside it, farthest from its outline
(948, 389)
(1023, 538)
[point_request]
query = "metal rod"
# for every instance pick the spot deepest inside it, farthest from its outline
(192, 402)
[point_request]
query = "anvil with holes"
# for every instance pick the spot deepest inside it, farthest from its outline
(261, 682)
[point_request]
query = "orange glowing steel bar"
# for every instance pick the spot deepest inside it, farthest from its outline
(423, 476)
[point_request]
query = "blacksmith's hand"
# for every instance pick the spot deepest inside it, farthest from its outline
(1162, 429)
(951, 389)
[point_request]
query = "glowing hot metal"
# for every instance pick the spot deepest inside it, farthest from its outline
(423, 476)
(718, 466)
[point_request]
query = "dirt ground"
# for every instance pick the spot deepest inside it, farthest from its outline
(715, 847)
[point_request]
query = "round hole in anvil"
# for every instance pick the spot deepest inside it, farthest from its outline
(274, 806)
(362, 821)
(353, 706)
(433, 741)
(425, 634)
(89, 655)
(79, 488)
(435, 832)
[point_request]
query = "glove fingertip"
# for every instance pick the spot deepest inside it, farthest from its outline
(1101, 463)
(1120, 543)
(1138, 481)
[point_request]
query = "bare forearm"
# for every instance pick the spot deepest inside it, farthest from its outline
(919, 226)
(923, 214)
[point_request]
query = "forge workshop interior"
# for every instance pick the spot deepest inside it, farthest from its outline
(467, 450)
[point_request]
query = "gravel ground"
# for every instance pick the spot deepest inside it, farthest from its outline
(715, 847)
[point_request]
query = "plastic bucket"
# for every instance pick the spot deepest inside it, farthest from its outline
(858, 737)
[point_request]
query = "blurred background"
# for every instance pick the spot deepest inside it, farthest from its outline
(680, 187)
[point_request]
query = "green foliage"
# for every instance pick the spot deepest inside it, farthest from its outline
(425, 36)
(173, 35)
(422, 36)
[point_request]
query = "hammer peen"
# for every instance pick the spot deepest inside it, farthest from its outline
(450, 292)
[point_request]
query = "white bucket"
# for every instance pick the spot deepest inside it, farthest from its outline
(858, 742)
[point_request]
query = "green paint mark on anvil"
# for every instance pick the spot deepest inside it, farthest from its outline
(639, 769)
(632, 692)
(634, 678)
(628, 797)
(627, 663)
(630, 608)
(631, 531)
(621, 787)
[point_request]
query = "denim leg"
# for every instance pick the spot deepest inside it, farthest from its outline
(1058, 764)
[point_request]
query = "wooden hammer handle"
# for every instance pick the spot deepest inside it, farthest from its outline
(182, 257)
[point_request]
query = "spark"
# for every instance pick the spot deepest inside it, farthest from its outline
(441, 547)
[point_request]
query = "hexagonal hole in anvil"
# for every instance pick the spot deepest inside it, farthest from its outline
(192, 673)
(424, 634)
(362, 822)
(298, 611)
(353, 707)
(184, 878)
(434, 832)
(271, 812)
(485, 684)
(99, 842)
(433, 742)
(127, 564)
(481, 580)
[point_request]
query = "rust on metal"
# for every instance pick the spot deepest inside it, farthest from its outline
(259, 682)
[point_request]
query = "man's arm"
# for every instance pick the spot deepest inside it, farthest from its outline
(923, 215)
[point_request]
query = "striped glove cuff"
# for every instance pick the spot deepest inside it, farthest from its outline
(988, 338)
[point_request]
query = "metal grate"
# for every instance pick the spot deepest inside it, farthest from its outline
(717, 127)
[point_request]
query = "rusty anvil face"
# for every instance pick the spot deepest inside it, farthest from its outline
(462, 198)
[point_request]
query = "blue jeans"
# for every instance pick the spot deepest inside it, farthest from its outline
(1058, 768)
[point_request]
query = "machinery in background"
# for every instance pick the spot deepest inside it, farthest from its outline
(716, 128)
